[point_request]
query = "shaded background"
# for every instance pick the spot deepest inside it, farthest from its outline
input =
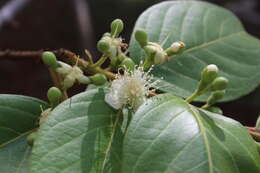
(77, 25)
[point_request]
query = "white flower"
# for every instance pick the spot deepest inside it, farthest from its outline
(71, 74)
(130, 89)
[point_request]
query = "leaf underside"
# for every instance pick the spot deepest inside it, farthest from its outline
(212, 35)
(79, 136)
(18, 117)
(169, 135)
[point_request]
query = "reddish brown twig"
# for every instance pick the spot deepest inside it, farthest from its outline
(254, 132)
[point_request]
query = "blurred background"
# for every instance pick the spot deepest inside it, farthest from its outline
(77, 25)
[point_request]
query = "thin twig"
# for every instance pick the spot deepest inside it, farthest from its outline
(254, 132)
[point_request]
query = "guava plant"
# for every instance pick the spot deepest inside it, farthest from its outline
(136, 114)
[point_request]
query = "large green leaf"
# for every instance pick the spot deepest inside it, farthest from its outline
(18, 117)
(80, 136)
(212, 35)
(168, 135)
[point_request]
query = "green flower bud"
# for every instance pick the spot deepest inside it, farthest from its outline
(31, 138)
(215, 96)
(141, 37)
(220, 83)
(209, 73)
(215, 109)
(150, 50)
(175, 48)
(128, 63)
(159, 57)
(121, 57)
(83, 79)
(98, 79)
(54, 95)
(117, 27)
(103, 45)
(50, 59)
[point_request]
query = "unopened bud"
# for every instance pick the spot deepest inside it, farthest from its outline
(209, 73)
(141, 37)
(103, 45)
(220, 83)
(215, 96)
(98, 79)
(117, 27)
(54, 95)
(128, 63)
(50, 59)
(31, 138)
(175, 48)
(159, 57)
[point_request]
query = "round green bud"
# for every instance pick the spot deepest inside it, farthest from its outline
(103, 45)
(121, 57)
(215, 96)
(50, 59)
(215, 109)
(31, 138)
(54, 95)
(128, 64)
(141, 37)
(98, 79)
(209, 73)
(117, 27)
(159, 57)
(220, 83)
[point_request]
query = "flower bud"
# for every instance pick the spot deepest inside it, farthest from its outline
(215, 109)
(175, 48)
(50, 59)
(128, 63)
(159, 57)
(31, 138)
(141, 37)
(103, 45)
(215, 96)
(69, 81)
(209, 73)
(220, 83)
(54, 95)
(121, 57)
(83, 79)
(98, 79)
(117, 27)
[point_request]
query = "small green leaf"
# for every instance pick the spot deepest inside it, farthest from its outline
(212, 35)
(81, 135)
(18, 117)
(168, 135)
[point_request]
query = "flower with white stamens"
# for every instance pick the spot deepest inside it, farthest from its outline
(130, 89)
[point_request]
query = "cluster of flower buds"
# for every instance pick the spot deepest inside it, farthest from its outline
(154, 51)
(110, 45)
(211, 82)
(70, 74)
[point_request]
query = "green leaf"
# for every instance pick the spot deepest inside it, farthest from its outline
(18, 117)
(168, 135)
(212, 35)
(258, 122)
(81, 135)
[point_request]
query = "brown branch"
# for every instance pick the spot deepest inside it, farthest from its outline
(62, 54)
(254, 132)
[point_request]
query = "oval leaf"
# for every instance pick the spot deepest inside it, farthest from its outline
(18, 117)
(168, 135)
(81, 135)
(212, 35)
